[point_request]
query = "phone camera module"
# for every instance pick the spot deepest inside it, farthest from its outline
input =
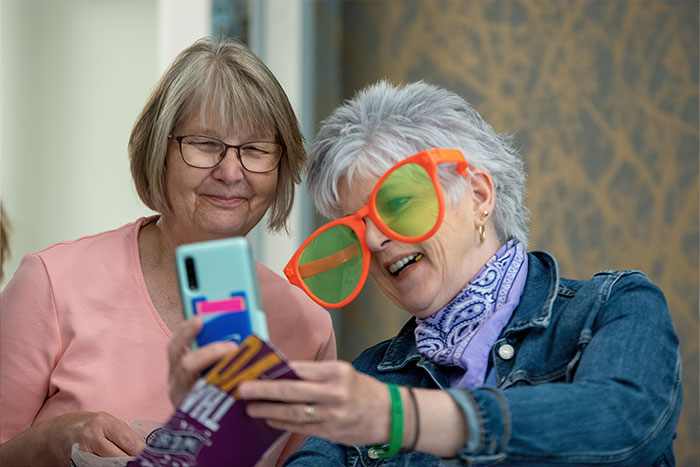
(191, 274)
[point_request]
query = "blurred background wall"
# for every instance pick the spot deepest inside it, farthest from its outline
(602, 97)
(74, 76)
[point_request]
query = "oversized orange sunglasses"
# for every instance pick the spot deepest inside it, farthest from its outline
(407, 205)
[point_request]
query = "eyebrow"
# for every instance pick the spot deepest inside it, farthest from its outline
(247, 137)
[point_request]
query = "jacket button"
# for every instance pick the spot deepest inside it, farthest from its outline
(506, 351)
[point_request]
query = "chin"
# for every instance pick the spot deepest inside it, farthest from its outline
(416, 304)
(216, 231)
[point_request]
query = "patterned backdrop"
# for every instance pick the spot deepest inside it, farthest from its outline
(602, 97)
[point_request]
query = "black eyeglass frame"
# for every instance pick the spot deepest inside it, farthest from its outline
(223, 153)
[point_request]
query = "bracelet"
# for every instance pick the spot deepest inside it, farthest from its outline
(417, 421)
(385, 451)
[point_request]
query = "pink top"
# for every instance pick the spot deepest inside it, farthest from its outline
(78, 331)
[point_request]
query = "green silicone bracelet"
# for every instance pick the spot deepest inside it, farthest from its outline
(385, 451)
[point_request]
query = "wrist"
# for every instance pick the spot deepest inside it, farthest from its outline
(397, 427)
(412, 423)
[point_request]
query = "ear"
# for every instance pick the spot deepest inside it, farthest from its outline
(483, 194)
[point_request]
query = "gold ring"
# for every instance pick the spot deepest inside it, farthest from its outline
(310, 413)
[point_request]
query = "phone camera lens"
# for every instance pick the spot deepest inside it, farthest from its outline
(191, 274)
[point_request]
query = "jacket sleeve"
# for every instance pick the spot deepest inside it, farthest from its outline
(30, 346)
(317, 452)
(620, 406)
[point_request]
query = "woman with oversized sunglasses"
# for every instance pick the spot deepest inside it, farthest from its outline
(502, 360)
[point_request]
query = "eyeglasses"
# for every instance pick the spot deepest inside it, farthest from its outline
(204, 152)
(406, 204)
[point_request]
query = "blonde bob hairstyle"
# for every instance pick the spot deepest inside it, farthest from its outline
(222, 79)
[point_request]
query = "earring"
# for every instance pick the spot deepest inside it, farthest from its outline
(482, 233)
(485, 212)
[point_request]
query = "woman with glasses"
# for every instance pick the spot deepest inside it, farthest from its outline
(85, 323)
(501, 361)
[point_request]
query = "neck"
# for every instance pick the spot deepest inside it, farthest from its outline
(157, 243)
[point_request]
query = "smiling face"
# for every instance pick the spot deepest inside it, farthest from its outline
(223, 201)
(423, 277)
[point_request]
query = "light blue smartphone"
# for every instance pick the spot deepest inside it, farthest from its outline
(218, 281)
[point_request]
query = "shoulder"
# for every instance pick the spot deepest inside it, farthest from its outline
(97, 245)
(93, 260)
(609, 284)
(603, 286)
(300, 327)
(28, 280)
(617, 294)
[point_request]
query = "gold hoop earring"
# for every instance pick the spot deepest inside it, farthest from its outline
(482, 233)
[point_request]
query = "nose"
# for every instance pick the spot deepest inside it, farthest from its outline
(376, 240)
(230, 168)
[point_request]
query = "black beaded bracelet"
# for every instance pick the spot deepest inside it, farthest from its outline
(412, 447)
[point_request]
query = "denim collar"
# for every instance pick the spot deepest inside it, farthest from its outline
(534, 310)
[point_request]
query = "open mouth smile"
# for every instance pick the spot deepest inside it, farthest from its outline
(396, 268)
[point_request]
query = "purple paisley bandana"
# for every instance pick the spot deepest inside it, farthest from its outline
(462, 333)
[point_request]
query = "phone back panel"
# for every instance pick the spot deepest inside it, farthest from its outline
(218, 281)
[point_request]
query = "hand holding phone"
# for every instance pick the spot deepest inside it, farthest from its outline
(218, 281)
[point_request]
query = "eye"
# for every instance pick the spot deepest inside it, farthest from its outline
(255, 149)
(204, 144)
(397, 204)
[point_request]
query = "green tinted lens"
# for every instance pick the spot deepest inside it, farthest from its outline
(407, 201)
(331, 265)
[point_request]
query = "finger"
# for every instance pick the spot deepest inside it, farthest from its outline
(193, 363)
(123, 440)
(320, 370)
(321, 382)
(104, 448)
(182, 336)
(185, 372)
(316, 429)
(287, 413)
(107, 436)
(286, 390)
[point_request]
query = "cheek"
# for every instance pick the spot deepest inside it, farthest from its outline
(267, 186)
(374, 272)
(272, 185)
(179, 177)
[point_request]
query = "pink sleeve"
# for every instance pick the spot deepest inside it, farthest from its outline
(30, 345)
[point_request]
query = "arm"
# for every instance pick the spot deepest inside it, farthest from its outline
(620, 408)
(30, 345)
(48, 443)
(621, 405)
(353, 408)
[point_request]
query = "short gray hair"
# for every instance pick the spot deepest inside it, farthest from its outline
(383, 124)
(224, 78)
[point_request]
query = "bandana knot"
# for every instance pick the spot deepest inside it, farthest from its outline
(462, 333)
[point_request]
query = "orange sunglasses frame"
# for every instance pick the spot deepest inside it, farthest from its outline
(429, 160)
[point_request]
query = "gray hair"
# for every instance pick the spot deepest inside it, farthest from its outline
(383, 124)
(223, 78)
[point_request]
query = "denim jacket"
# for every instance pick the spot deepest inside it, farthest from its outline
(592, 377)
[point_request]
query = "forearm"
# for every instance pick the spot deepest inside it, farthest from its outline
(441, 430)
(30, 448)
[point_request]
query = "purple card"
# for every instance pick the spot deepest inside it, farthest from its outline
(211, 428)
